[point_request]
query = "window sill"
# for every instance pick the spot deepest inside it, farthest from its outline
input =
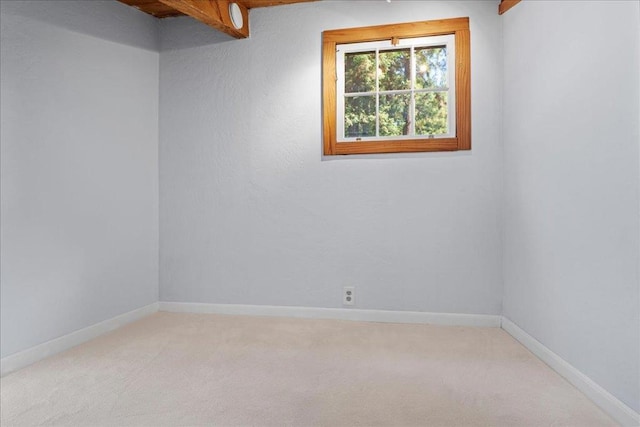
(404, 146)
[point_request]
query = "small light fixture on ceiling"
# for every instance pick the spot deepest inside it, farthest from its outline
(236, 15)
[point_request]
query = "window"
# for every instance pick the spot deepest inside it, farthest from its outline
(395, 92)
(397, 88)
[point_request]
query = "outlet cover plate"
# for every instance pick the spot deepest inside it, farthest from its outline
(348, 295)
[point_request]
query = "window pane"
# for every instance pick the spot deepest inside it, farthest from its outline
(394, 69)
(431, 67)
(359, 116)
(394, 115)
(360, 72)
(431, 113)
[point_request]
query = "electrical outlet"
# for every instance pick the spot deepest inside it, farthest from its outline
(348, 295)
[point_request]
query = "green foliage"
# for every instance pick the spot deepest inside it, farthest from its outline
(431, 115)
(394, 114)
(394, 110)
(395, 69)
(360, 72)
(431, 67)
(360, 116)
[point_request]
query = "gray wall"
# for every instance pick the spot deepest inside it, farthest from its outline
(79, 132)
(571, 136)
(251, 213)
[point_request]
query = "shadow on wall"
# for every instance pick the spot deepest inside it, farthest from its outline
(184, 32)
(113, 21)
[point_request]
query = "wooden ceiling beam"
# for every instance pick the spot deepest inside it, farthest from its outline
(506, 5)
(153, 7)
(266, 3)
(214, 13)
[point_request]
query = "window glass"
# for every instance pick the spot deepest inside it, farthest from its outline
(360, 72)
(396, 92)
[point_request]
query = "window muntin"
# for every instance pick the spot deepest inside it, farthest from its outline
(396, 92)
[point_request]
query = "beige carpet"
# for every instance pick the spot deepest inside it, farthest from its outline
(191, 369)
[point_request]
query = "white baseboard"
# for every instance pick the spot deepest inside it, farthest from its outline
(31, 355)
(385, 316)
(605, 400)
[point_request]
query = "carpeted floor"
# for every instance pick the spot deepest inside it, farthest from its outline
(193, 369)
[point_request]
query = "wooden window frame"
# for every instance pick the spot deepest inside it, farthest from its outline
(459, 27)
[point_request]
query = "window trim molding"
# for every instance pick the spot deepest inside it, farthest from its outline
(459, 27)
